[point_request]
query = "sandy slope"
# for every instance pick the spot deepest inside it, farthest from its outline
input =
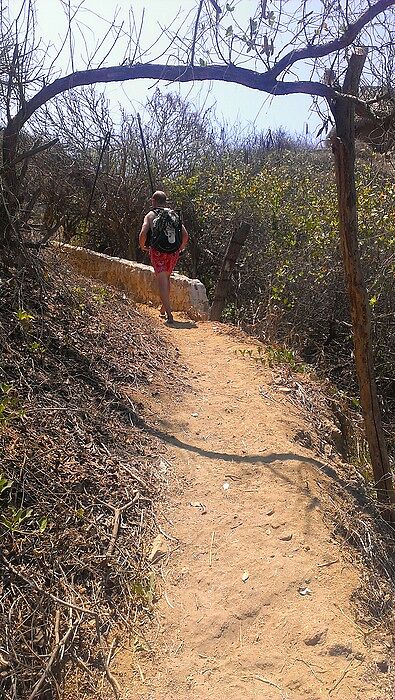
(256, 594)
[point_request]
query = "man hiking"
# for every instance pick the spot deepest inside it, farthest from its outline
(164, 237)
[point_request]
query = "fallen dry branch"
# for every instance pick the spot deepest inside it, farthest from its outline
(59, 645)
(111, 679)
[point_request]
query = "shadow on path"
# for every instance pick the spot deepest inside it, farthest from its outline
(182, 325)
(264, 459)
(242, 459)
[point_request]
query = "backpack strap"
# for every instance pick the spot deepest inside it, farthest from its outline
(155, 211)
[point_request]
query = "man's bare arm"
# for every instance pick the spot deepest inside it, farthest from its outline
(185, 239)
(144, 233)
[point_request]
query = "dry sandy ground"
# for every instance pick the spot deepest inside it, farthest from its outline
(255, 593)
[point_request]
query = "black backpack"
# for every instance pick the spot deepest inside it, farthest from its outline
(166, 230)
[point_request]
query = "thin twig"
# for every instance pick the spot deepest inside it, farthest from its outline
(135, 477)
(112, 645)
(210, 556)
(343, 675)
(115, 530)
(162, 532)
(34, 151)
(195, 33)
(140, 672)
(49, 663)
(302, 661)
(266, 680)
(327, 563)
(35, 585)
(111, 679)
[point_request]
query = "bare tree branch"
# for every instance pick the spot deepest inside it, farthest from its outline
(341, 42)
(264, 82)
(229, 74)
(37, 148)
(195, 32)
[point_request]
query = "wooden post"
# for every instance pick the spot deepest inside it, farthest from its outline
(233, 250)
(343, 146)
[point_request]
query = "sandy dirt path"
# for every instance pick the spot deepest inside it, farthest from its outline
(255, 592)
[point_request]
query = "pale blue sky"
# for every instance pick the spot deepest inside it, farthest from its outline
(234, 103)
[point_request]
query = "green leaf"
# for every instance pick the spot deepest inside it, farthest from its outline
(5, 388)
(23, 316)
(6, 522)
(202, 62)
(4, 483)
(15, 517)
(36, 347)
(22, 514)
(253, 26)
(229, 7)
(43, 525)
(373, 301)
(229, 31)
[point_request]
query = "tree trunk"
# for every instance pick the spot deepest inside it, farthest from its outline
(10, 242)
(343, 146)
(236, 243)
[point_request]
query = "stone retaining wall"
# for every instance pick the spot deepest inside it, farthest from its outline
(139, 280)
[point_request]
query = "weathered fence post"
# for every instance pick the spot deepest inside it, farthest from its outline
(233, 250)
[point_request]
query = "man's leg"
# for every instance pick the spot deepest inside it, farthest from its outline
(164, 292)
(162, 308)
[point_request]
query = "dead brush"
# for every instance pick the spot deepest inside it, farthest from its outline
(79, 481)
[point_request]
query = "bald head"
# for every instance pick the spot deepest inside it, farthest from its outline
(159, 199)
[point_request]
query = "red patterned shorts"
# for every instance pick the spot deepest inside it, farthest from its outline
(163, 262)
